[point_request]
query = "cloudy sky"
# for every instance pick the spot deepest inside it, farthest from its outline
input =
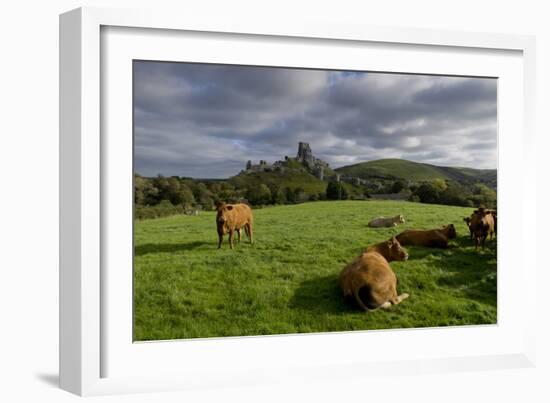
(206, 121)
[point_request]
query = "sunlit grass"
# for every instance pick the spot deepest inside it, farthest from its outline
(287, 281)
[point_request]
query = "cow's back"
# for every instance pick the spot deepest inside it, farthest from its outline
(367, 269)
(242, 214)
(430, 238)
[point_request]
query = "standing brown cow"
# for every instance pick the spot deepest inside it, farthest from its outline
(468, 221)
(369, 278)
(233, 217)
(482, 224)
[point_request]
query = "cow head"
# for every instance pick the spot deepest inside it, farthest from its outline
(222, 209)
(450, 230)
(401, 218)
(395, 250)
(467, 220)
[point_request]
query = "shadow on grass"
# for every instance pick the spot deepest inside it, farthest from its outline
(148, 248)
(320, 294)
(469, 272)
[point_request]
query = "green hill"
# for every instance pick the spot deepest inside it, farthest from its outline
(415, 171)
(290, 178)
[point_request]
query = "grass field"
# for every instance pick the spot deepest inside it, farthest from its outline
(287, 281)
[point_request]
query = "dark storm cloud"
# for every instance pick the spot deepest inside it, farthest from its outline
(208, 120)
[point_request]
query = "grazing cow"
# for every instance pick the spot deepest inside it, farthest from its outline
(483, 224)
(468, 221)
(369, 278)
(387, 222)
(233, 217)
(433, 238)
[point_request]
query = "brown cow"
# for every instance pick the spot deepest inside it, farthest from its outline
(494, 214)
(433, 238)
(233, 217)
(369, 278)
(468, 221)
(482, 224)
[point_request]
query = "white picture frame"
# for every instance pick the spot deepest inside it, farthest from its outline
(88, 338)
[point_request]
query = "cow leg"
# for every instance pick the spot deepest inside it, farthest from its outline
(239, 234)
(396, 299)
(220, 239)
(250, 233)
(231, 238)
(399, 298)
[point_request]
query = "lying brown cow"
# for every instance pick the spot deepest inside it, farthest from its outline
(433, 238)
(233, 217)
(387, 222)
(369, 278)
(482, 224)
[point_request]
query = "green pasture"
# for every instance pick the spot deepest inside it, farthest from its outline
(286, 282)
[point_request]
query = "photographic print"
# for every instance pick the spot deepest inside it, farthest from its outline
(271, 200)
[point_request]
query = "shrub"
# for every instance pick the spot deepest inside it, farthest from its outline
(259, 195)
(164, 209)
(336, 191)
(427, 193)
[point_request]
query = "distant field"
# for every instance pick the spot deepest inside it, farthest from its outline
(287, 281)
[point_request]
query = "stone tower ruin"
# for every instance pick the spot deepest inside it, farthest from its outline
(304, 153)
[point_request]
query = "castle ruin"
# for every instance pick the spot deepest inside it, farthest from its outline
(304, 156)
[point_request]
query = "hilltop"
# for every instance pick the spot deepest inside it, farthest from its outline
(393, 168)
(311, 175)
(305, 172)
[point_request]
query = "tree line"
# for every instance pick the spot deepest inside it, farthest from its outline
(163, 196)
(453, 193)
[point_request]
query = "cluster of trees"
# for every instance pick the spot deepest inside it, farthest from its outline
(453, 193)
(162, 196)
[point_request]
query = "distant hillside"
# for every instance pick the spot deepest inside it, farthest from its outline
(290, 178)
(415, 171)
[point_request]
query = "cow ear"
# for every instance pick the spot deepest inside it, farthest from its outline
(230, 207)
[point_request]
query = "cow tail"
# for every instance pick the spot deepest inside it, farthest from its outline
(361, 303)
